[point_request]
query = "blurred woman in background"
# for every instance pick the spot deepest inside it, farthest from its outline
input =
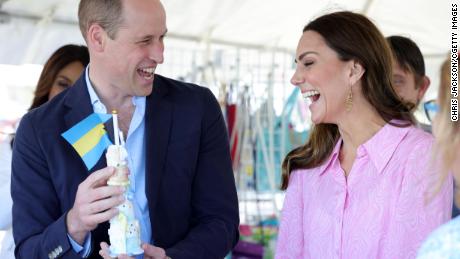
(356, 188)
(61, 71)
(445, 241)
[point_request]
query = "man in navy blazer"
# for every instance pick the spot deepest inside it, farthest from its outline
(60, 210)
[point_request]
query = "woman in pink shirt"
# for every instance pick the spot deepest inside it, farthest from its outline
(358, 187)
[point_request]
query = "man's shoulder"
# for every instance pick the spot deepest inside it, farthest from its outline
(48, 117)
(49, 110)
(187, 97)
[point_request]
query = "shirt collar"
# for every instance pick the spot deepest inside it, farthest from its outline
(99, 107)
(380, 147)
(383, 144)
(332, 158)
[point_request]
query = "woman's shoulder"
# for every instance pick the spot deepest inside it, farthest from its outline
(444, 242)
(305, 176)
(417, 136)
(306, 172)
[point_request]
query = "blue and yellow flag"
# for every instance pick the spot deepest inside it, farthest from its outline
(89, 138)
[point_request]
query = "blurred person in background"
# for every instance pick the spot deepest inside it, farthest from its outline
(444, 242)
(409, 79)
(60, 71)
(356, 188)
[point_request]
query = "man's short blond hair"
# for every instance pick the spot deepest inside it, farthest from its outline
(106, 13)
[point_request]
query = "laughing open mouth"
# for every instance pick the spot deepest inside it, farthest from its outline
(313, 95)
(146, 73)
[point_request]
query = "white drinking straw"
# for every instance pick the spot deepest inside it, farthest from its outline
(115, 127)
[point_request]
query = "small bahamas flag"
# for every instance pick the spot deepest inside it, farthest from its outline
(89, 138)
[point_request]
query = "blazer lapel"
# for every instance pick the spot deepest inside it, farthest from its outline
(79, 106)
(158, 118)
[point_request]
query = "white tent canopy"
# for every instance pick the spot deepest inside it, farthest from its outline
(32, 29)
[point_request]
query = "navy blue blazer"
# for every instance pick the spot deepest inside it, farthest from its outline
(190, 186)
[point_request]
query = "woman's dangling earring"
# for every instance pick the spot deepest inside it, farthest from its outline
(349, 101)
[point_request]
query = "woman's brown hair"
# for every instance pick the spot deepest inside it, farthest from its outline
(58, 60)
(353, 37)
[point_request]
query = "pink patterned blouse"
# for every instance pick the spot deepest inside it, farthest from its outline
(382, 210)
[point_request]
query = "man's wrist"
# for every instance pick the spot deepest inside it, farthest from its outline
(77, 235)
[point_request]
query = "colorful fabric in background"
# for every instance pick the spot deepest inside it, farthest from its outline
(89, 138)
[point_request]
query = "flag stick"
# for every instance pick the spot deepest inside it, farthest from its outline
(122, 139)
(115, 128)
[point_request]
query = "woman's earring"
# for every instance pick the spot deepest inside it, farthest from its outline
(349, 101)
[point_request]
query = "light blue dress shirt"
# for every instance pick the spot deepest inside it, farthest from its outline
(136, 163)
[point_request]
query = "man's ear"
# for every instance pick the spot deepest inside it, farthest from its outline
(96, 37)
(356, 72)
(423, 87)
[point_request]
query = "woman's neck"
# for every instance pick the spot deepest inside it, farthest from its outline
(357, 131)
(356, 128)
